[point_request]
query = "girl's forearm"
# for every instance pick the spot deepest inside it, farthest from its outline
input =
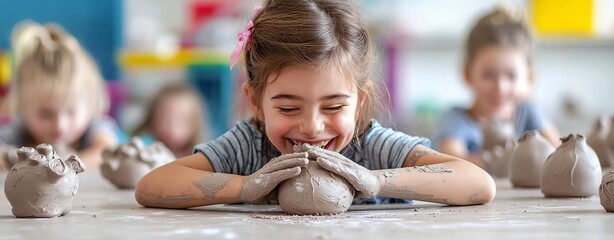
(178, 186)
(454, 183)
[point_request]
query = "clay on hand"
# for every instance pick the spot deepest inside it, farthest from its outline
(598, 140)
(496, 132)
(125, 165)
(40, 184)
(258, 185)
(606, 191)
(528, 158)
(362, 179)
(498, 159)
(573, 170)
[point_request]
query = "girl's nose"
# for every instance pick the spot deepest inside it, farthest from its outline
(311, 125)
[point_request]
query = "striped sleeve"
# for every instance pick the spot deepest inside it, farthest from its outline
(385, 148)
(233, 152)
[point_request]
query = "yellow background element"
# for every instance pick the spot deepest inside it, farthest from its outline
(5, 68)
(563, 17)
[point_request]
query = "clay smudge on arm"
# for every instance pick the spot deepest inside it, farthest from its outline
(211, 183)
(435, 168)
(157, 199)
(397, 189)
(421, 153)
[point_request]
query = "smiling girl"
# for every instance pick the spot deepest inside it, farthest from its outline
(309, 81)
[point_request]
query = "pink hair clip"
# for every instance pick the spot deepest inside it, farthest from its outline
(244, 37)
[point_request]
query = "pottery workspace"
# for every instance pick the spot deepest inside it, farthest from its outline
(306, 119)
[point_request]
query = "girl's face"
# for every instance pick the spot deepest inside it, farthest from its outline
(499, 76)
(315, 106)
(55, 118)
(172, 121)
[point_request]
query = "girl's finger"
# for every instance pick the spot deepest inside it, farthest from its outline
(285, 164)
(275, 178)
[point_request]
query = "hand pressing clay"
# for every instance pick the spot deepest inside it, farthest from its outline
(496, 132)
(597, 139)
(315, 191)
(573, 170)
(40, 184)
(498, 159)
(606, 191)
(129, 162)
(528, 159)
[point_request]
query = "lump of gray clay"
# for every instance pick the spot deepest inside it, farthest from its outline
(125, 165)
(315, 191)
(528, 159)
(40, 184)
(498, 159)
(496, 132)
(573, 170)
(597, 139)
(606, 191)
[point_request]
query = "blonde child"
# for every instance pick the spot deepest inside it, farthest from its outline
(58, 96)
(310, 81)
(175, 118)
(498, 69)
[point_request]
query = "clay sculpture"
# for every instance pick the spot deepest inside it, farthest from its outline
(528, 158)
(606, 191)
(573, 170)
(496, 132)
(315, 191)
(40, 184)
(609, 143)
(125, 165)
(498, 159)
(597, 139)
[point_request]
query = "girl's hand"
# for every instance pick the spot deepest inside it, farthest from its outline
(361, 178)
(258, 185)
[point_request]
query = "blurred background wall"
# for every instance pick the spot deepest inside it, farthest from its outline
(144, 43)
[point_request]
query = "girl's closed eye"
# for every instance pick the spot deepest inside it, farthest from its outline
(287, 109)
(334, 108)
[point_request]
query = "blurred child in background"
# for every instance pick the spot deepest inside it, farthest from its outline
(58, 96)
(498, 68)
(175, 117)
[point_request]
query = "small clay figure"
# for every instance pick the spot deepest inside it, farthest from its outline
(573, 170)
(597, 139)
(606, 191)
(496, 132)
(315, 191)
(498, 159)
(125, 165)
(528, 159)
(40, 184)
(609, 143)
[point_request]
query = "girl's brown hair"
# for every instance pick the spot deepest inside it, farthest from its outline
(505, 26)
(48, 57)
(173, 89)
(313, 33)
